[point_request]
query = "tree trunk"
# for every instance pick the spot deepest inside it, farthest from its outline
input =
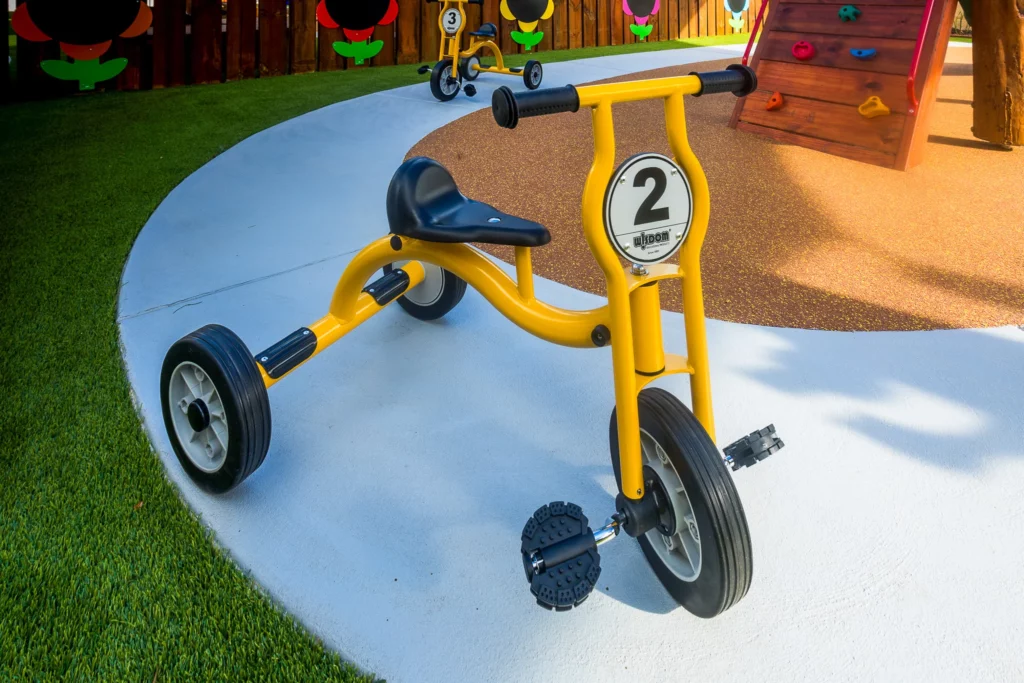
(998, 36)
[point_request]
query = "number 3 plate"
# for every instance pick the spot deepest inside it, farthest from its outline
(648, 208)
(452, 21)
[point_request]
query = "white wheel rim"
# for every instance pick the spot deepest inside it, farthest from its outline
(535, 75)
(680, 552)
(449, 85)
(470, 63)
(207, 449)
(428, 292)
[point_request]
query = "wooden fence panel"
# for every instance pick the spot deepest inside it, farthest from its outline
(589, 23)
(575, 23)
(408, 26)
(661, 22)
(386, 34)
(547, 43)
(604, 21)
(328, 58)
(240, 57)
(560, 25)
(303, 25)
(672, 13)
(273, 38)
(168, 43)
(206, 37)
(617, 22)
(430, 31)
(5, 78)
(130, 49)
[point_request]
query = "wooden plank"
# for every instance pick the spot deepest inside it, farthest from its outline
(915, 135)
(206, 37)
(241, 40)
(273, 38)
(661, 21)
(408, 31)
(303, 36)
(590, 23)
(161, 41)
(430, 32)
(176, 52)
(875, 22)
(618, 21)
(720, 14)
(385, 34)
(673, 18)
(693, 18)
(130, 49)
(838, 149)
(575, 23)
(893, 55)
(702, 16)
(327, 57)
(604, 22)
(505, 28)
(833, 85)
(560, 26)
(827, 121)
(6, 90)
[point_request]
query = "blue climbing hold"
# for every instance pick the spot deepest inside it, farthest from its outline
(863, 54)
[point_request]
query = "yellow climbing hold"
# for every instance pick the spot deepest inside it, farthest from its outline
(873, 107)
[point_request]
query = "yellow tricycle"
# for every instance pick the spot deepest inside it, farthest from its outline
(676, 495)
(455, 65)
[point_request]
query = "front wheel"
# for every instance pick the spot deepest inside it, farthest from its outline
(438, 294)
(215, 408)
(705, 563)
(533, 74)
(444, 85)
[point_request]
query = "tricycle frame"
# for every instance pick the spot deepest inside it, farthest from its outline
(632, 315)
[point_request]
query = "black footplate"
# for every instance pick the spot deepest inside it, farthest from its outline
(753, 448)
(560, 556)
(388, 287)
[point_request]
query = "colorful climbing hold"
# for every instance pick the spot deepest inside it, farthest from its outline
(848, 13)
(774, 102)
(803, 50)
(864, 53)
(873, 107)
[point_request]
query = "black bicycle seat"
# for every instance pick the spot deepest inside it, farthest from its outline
(487, 30)
(424, 203)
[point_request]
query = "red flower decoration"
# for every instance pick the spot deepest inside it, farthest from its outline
(84, 30)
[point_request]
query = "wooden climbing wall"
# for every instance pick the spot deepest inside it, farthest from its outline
(821, 94)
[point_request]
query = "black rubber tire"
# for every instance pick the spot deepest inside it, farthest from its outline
(533, 74)
(467, 73)
(452, 290)
(225, 359)
(726, 555)
(435, 81)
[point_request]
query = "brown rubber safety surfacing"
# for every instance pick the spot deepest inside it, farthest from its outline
(797, 238)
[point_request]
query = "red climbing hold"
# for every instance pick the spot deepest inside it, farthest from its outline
(774, 102)
(803, 50)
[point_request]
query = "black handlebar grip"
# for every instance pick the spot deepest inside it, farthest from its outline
(738, 79)
(508, 107)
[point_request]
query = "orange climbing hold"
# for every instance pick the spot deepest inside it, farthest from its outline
(774, 102)
(873, 107)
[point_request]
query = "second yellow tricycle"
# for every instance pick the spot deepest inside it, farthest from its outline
(456, 65)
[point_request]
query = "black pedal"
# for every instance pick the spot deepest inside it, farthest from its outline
(560, 556)
(470, 90)
(753, 448)
(425, 69)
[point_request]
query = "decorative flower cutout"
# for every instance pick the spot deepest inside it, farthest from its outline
(737, 8)
(641, 11)
(85, 31)
(357, 19)
(527, 13)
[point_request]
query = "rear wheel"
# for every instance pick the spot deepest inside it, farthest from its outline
(533, 74)
(444, 84)
(439, 293)
(466, 67)
(705, 562)
(215, 408)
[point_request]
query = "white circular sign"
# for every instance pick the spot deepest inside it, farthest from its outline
(451, 20)
(648, 208)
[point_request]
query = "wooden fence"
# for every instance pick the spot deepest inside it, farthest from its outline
(210, 41)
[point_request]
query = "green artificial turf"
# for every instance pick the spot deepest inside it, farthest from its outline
(104, 574)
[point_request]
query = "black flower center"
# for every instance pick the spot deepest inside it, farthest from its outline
(357, 14)
(81, 22)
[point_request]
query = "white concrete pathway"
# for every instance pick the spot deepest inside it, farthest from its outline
(888, 535)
